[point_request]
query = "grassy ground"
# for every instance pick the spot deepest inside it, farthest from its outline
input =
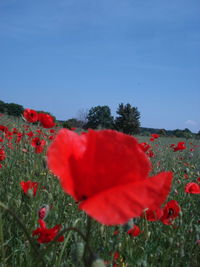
(157, 245)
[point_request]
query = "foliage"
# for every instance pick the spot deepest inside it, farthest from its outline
(11, 108)
(156, 245)
(73, 123)
(99, 117)
(128, 120)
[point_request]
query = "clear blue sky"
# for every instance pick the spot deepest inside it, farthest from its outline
(67, 55)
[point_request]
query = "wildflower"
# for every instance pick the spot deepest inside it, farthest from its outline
(46, 235)
(2, 154)
(192, 188)
(30, 115)
(98, 168)
(29, 187)
(153, 215)
(151, 154)
(3, 128)
(154, 136)
(170, 211)
(144, 146)
(180, 146)
(135, 231)
(46, 120)
(38, 144)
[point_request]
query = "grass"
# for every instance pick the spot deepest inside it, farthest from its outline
(157, 245)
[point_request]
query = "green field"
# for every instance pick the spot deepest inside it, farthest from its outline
(157, 244)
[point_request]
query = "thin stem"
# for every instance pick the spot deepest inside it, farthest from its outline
(88, 232)
(62, 233)
(3, 206)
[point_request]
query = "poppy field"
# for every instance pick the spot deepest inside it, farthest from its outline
(70, 197)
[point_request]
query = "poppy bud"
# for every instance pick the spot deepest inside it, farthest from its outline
(43, 212)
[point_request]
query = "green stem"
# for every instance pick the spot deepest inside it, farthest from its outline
(58, 263)
(62, 233)
(87, 240)
(3, 206)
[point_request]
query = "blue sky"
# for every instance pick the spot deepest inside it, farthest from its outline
(69, 55)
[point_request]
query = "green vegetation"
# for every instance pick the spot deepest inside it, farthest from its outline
(157, 245)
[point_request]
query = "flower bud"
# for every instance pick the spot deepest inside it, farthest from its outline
(43, 211)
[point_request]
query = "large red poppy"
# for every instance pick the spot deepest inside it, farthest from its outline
(107, 172)
(46, 235)
(30, 115)
(46, 120)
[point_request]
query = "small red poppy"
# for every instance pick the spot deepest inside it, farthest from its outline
(170, 211)
(144, 146)
(155, 136)
(135, 231)
(2, 154)
(46, 120)
(38, 144)
(108, 173)
(30, 115)
(29, 187)
(153, 215)
(192, 188)
(3, 128)
(46, 235)
(180, 146)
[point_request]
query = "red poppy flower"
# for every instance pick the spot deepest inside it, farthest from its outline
(46, 120)
(135, 231)
(3, 128)
(30, 115)
(180, 146)
(192, 188)
(107, 172)
(144, 146)
(30, 134)
(2, 154)
(155, 136)
(29, 187)
(38, 144)
(19, 137)
(170, 211)
(153, 215)
(46, 235)
(198, 179)
(151, 154)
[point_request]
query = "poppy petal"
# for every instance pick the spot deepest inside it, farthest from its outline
(119, 204)
(65, 144)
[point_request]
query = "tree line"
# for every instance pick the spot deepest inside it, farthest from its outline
(100, 117)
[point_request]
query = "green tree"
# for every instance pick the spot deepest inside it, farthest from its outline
(2, 106)
(73, 123)
(99, 117)
(128, 120)
(14, 109)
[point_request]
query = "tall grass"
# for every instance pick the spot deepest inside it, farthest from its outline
(157, 245)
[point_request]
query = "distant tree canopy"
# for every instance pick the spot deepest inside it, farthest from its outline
(73, 123)
(11, 108)
(99, 117)
(128, 119)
